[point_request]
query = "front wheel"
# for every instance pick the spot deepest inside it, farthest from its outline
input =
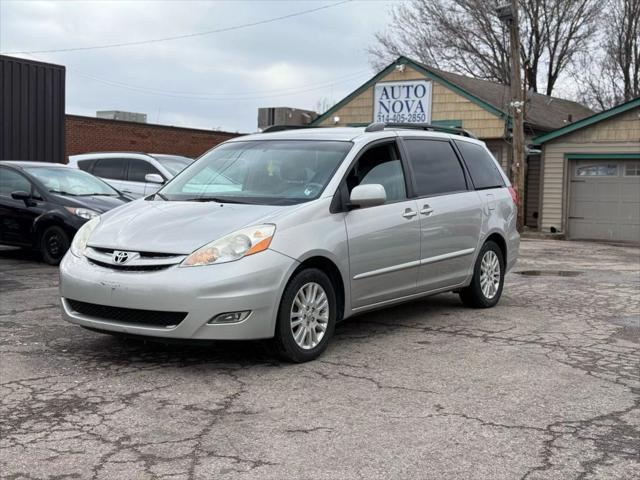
(306, 318)
(54, 243)
(488, 278)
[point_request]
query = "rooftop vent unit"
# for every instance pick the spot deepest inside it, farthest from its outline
(122, 116)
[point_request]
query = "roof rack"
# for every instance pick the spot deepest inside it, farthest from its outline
(377, 127)
(280, 128)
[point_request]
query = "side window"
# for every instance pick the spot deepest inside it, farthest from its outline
(138, 169)
(380, 165)
(604, 170)
(11, 181)
(435, 166)
(112, 168)
(632, 169)
(482, 168)
(86, 165)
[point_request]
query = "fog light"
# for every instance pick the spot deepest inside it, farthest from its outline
(230, 317)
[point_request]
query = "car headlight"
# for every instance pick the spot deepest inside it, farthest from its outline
(234, 246)
(82, 212)
(79, 243)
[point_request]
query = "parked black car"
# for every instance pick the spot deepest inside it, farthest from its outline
(42, 205)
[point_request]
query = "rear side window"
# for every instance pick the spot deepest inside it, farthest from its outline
(482, 168)
(112, 168)
(436, 168)
(86, 165)
(139, 168)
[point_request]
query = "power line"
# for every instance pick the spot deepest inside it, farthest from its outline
(278, 92)
(188, 35)
(222, 95)
(198, 97)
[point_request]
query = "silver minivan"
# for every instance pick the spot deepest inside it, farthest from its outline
(282, 235)
(134, 174)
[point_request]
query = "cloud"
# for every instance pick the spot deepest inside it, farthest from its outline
(302, 53)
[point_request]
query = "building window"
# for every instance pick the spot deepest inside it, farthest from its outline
(603, 170)
(632, 169)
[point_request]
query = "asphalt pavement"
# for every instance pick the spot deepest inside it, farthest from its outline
(546, 385)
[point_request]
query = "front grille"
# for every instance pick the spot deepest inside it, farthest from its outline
(133, 316)
(109, 251)
(129, 268)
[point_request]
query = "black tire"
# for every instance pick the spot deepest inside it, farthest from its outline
(54, 243)
(283, 343)
(473, 295)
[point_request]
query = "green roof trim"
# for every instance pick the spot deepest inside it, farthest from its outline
(447, 123)
(421, 69)
(602, 156)
(362, 88)
(586, 122)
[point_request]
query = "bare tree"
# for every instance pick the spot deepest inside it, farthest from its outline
(465, 36)
(568, 27)
(324, 104)
(460, 35)
(611, 75)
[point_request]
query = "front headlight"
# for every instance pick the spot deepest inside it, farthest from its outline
(79, 243)
(82, 212)
(232, 247)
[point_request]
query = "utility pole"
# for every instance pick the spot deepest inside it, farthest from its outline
(508, 14)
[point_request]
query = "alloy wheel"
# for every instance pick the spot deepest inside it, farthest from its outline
(309, 316)
(490, 274)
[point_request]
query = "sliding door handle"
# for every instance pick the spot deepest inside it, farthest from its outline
(408, 213)
(426, 210)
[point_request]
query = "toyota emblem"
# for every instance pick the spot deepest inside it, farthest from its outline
(120, 257)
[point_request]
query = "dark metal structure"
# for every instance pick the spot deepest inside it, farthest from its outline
(32, 104)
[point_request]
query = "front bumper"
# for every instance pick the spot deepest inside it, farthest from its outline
(253, 283)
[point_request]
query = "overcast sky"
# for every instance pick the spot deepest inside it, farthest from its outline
(210, 81)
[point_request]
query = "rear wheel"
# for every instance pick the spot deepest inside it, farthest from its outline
(306, 318)
(488, 278)
(54, 243)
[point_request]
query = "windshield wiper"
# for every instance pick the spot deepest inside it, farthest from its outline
(61, 192)
(97, 195)
(212, 199)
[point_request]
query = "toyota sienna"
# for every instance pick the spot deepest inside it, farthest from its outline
(281, 235)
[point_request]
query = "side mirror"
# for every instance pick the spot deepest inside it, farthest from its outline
(21, 195)
(153, 178)
(364, 196)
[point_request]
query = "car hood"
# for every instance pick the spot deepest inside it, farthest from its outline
(175, 227)
(98, 203)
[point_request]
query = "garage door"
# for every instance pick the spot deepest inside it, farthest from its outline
(604, 200)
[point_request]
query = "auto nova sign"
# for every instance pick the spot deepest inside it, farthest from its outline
(402, 102)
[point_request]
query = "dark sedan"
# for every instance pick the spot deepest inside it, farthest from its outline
(42, 205)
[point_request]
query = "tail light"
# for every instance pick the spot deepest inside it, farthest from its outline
(514, 195)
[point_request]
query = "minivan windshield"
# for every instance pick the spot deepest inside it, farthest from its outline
(267, 172)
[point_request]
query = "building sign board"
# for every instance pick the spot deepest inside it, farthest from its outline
(402, 102)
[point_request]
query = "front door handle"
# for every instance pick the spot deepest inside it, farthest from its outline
(426, 210)
(408, 213)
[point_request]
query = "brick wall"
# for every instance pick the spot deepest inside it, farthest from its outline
(89, 134)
